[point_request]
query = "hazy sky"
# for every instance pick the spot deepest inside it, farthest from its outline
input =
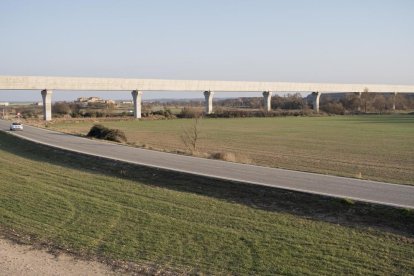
(257, 40)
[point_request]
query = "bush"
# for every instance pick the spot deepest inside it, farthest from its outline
(165, 113)
(61, 108)
(104, 133)
(333, 108)
(28, 114)
(240, 113)
(188, 112)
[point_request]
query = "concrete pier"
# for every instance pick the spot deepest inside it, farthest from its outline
(360, 101)
(136, 96)
(394, 100)
(209, 101)
(267, 100)
(316, 96)
(47, 104)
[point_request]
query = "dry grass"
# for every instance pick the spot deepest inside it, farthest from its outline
(369, 147)
(225, 156)
(230, 157)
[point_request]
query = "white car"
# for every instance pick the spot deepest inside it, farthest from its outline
(16, 126)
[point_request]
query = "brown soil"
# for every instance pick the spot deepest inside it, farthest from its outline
(17, 259)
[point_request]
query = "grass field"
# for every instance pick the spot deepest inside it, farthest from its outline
(371, 147)
(183, 224)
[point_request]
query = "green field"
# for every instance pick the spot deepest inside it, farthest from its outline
(369, 147)
(176, 222)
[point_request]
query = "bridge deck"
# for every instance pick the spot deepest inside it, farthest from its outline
(119, 84)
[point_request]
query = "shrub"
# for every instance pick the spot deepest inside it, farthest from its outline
(104, 133)
(90, 114)
(61, 108)
(28, 114)
(188, 112)
(333, 108)
(240, 113)
(165, 113)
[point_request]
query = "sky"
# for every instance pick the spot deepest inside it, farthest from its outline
(343, 41)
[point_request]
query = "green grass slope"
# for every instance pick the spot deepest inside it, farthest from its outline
(186, 224)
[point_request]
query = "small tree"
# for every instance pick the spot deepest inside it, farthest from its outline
(379, 103)
(61, 108)
(191, 135)
(365, 99)
(351, 102)
(402, 102)
(190, 112)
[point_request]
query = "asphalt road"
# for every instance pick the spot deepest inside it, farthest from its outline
(362, 190)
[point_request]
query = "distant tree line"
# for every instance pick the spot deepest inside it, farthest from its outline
(341, 103)
(76, 110)
(365, 103)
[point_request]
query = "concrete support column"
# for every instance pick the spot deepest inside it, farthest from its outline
(394, 99)
(267, 100)
(208, 95)
(316, 96)
(47, 104)
(136, 96)
(360, 101)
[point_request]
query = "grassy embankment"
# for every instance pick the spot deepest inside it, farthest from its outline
(371, 147)
(182, 223)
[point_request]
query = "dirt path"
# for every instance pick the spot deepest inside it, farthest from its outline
(16, 259)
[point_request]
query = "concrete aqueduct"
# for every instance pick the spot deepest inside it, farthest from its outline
(137, 86)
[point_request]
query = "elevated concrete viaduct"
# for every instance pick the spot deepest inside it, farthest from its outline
(137, 86)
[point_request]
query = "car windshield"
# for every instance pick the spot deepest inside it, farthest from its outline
(16, 124)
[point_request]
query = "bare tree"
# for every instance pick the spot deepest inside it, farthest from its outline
(191, 135)
(366, 99)
(379, 103)
(351, 102)
(61, 108)
(402, 102)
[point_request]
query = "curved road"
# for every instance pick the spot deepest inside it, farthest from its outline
(362, 190)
